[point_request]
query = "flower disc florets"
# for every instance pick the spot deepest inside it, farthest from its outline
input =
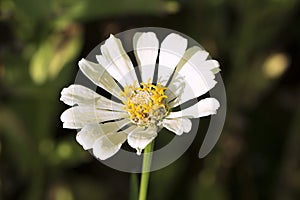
(146, 104)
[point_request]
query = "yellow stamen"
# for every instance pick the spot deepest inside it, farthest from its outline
(146, 104)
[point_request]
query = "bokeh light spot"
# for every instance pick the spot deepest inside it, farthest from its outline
(275, 65)
(64, 150)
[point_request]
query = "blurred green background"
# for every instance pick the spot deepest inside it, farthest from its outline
(257, 44)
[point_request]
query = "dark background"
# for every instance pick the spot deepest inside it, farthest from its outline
(257, 44)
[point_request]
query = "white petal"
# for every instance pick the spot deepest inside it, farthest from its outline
(186, 57)
(191, 52)
(99, 76)
(146, 50)
(109, 66)
(211, 65)
(116, 61)
(198, 74)
(139, 138)
(203, 108)
(190, 82)
(83, 115)
(73, 125)
(198, 59)
(88, 135)
(178, 125)
(108, 145)
(83, 96)
(91, 132)
(130, 129)
(171, 51)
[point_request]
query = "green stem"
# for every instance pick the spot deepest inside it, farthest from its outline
(145, 171)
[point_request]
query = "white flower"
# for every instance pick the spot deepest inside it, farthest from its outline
(106, 124)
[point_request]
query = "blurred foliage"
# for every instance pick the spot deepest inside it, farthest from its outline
(257, 44)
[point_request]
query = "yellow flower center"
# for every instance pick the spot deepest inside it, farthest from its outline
(146, 105)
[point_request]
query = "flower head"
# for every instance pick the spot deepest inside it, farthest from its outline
(105, 124)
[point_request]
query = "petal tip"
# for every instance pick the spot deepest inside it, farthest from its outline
(138, 151)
